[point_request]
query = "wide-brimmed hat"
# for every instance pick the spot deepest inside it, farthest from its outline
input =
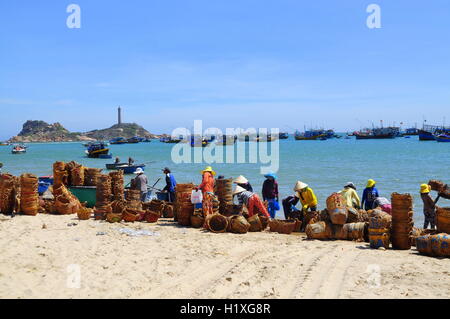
(299, 186)
(238, 190)
(425, 188)
(139, 171)
(240, 180)
(351, 185)
(370, 183)
(271, 175)
(208, 169)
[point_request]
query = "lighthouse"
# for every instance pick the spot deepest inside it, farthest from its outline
(119, 116)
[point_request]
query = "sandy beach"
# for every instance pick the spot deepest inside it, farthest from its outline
(179, 262)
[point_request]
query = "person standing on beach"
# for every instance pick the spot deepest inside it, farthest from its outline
(170, 185)
(244, 183)
(350, 195)
(207, 188)
(369, 195)
(270, 193)
(140, 182)
(251, 200)
(429, 206)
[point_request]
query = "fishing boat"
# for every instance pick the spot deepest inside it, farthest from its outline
(377, 133)
(19, 149)
(98, 150)
(310, 135)
(129, 169)
(442, 137)
(119, 140)
(4, 144)
(96, 142)
(134, 140)
(198, 141)
(283, 135)
(170, 140)
(411, 131)
(428, 132)
(226, 140)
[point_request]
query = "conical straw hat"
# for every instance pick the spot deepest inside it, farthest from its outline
(299, 186)
(240, 180)
(238, 190)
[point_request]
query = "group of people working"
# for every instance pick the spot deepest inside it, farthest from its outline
(303, 194)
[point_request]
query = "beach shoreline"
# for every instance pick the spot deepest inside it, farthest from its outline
(39, 254)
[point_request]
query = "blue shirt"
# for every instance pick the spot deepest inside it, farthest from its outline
(369, 197)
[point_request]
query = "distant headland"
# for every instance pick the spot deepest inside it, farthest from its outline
(40, 131)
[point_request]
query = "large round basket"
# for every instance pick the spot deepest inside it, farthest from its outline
(216, 223)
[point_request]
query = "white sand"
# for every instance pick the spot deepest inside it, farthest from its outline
(191, 263)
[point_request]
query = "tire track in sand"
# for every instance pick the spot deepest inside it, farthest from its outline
(310, 279)
(201, 275)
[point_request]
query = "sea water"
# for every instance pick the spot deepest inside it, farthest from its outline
(398, 165)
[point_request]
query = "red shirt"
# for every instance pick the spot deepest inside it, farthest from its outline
(207, 184)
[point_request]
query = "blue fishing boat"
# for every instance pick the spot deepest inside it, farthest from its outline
(129, 169)
(118, 140)
(98, 150)
(442, 138)
(311, 135)
(283, 135)
(428, 132)
(134, 140)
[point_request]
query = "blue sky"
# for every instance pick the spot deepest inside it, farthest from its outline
(284, 63)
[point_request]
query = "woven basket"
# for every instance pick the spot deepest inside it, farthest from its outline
(379, 238)
(286, 226)
(319, 230)
(443, 219)
(118, 206)
(338, 216)
(197, 221)
(90, 176)
(114, 218)
(436, 185)
(238, 224)
(130, 215)
(151, 217)
(274, 225)
(84, 213)
(335, 201)
(255, 224)
(216, 223)
(168, 210)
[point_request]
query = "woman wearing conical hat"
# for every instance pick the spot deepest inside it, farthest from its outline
(251, 200)
(244, 183)
(306, 196)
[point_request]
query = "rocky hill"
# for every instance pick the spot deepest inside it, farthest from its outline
(126, 130)
(40, 131)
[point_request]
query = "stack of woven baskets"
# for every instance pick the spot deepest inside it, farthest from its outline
(224, 192)
(77, 175)
(153, 210)
(117, 185)
(443, 219)
(183, 206)
(8, 185)
(402, 220)
(380, 224)
(29, 197)
(337, 209)
(60, 175)
(134, 199)
(65, 202)
(103, 197)
(90, 176)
